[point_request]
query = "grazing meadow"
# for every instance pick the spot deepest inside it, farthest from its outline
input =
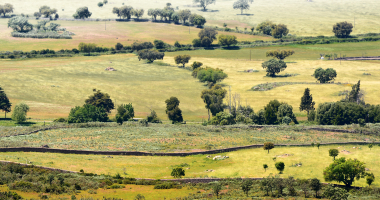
(302, 17)
(169, 138)
(300, 162)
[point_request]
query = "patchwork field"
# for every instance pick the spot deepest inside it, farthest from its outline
(244, 163)
(52, 86)
(169, 138)
(301, 16)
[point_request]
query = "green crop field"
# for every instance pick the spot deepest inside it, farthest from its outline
(301, 16)
(243, 163)
(168, 138)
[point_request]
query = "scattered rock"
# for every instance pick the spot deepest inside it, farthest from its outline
(210, 170)
(109, 157)
(110, 69)
(220, 157)
(208, 156)
(366, 169)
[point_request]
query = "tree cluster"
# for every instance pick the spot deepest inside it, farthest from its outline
(325, 75)
(46, 11)
(279, 54)
(150, 55)
(206, 37)
(270, 28)
(213, 98)
(82, 13)
(275, 112)
(227, 40)
(125, 112)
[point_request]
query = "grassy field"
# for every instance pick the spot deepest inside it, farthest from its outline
(128, 193)
(50, 86)
(244, 163)
(301, 16)
(169, 138)
(94, 32)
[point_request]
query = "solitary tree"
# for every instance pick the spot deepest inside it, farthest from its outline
(150, 55)
(47, 11)
(19, 112)
(279, 54)
(318, 144)
(7, 8)
(211, 75)
(159, 44)
(370, 178)
(204, 3)
(333, 153)
(355, 95)
(196, 65)
(100, 4)
(344, 171)
(82, 13)
(280, 30)
(217, 187)
(324, 76)
(105, 2)
(208, 33)
(213, 98)
(268, 146)
(182, 59)
(20, 24)
(5, 105)
(280, 166)
(307, 102)
(315, 185)
(101, 100)
(246, 186)
(227, 40)
(242, 5)
(342, 29)
(173, 111)
(178, 172)
(197, 20)
(370, 146)
(274, 67)
(265, 167)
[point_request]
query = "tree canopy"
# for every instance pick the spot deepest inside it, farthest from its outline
(274, 67)
(138, 13)
(124, 113)
(123, 12)
(47, 11)
(324, 76)
(242, 5)
(333, 153)
(213, 98)
(173, 111)
(211, 75)
(87, 113)
(227, 40)
(208, 33)
(150, 55)
(204, 3)
(345, 171)
(342, 29)
(279, 54)
(307, 102)
(5, 104)
(182, 59)
(20, 24)
(266, 27)
(178, 172)
(197, 20)
(101, 100)
(268, 146)
(184, 15)
(19, 112)
(82, 13)
(280, 30)
(6, 8)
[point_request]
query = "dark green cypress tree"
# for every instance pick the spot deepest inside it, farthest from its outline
(307, 102)
(5, 105)
(354, 95)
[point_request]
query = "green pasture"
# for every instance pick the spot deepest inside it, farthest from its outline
(128, 193)
(301, 16)
(243, 163)
(52, 86)
(170, 138)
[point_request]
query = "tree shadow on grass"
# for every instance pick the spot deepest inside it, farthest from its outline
(208, 10)
(5, 119)
(247, 14)
(25, 123)
(231, 48)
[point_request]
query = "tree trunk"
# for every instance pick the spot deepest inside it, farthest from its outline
(208, 110)
(241, 11)
(268, 151)
(5, 115)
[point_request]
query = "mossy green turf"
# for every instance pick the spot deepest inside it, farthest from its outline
(301, 16)
(243, 163)
(172, 138)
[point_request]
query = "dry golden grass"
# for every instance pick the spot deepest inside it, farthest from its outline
(301, 16)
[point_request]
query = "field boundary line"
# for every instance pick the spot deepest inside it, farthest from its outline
(42, 167)
(181, 154)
